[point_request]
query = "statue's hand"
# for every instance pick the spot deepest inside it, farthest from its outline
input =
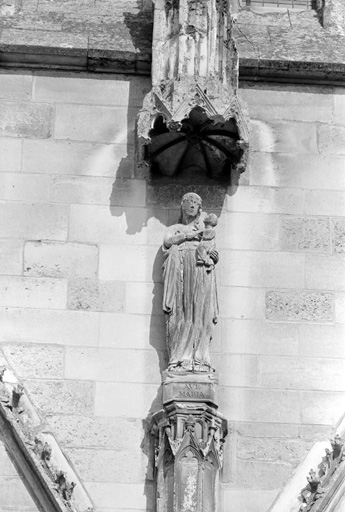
(196, 235)
(214, 255)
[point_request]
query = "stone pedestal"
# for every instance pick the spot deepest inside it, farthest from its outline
(189, 436)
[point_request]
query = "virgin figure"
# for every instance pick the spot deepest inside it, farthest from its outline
(190, 294)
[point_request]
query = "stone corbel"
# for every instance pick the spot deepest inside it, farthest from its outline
(46, 472)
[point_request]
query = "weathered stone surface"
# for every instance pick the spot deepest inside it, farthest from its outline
(14, 495)
(321, 408)
(49, 326)
(322, 340)
(240, 302)
(325, 202)
(266, 200)
(128, 193)
(237, 369)
(32, 120)
(95, 224)
(132, 331)
(340, 307)
(255, 337)
(64, 260)
(169, 195)
(248, 500)
(144, 299)
(133, 400)
(35, 361)
(339, 107)
(93, 295)
(33, 221)
(283, 137)
(267, 430)
(305, 234)
(338, 235)
(334, 17)
(11, 257)
(6, 465)
(79, 158)
(24, 187)
(126, 496)
(32, 292)
(106, 364)
(260, 269)
(326, 272)
(122, 466)
(302, 373)
(15, 87)
(273, 449)
(94, 123)
(10, 155)
(96, 432)
(262, 475)
(118, 91)
(57, 396)
(80, 189)
(300, 306)
(331, 139)
(130, 263)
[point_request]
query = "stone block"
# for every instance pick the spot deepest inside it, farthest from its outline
(116, 91)
(31, 120)
(11, 257)
(44, 326)
(259, 405)
(25, 187)
(326, 272)
(94, 295)
(10, 155)
(321, 408)
(322, 340)
(323, 172)
(240, 302)
(15, 87)
(259, 337)
(262, 269)
(126, 496)
(299, 306)
(283, 137)
(128, 193)
(266, 200)
(246, 500)
(77, 158)
(339, 108)
(33, 221)
(112, 466)
(279, 103)
(144, 298)
(267, 430)
(107, 364)
(95, 432)
(340, 307)
(273, 450)
(305, 234)
(331, 139)
(316, 433)
(302, 373)
(61, 260)
(96, 224)
(338, 235)
(95, 123)
(66, 6)
(325, 202)
(263, 475)
(132, 400)
(21, 292)
(248, 231)
(80, 189)
(6, 465)
(14, 495)
(237, 369)
(62, 397)
(130, 263)
(169, 195)
(36, 361)
(132, 331)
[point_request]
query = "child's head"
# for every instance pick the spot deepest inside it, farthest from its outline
(211, 220)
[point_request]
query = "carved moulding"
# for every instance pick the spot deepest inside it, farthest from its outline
(47, 474)
(192, 117)
(189, 435)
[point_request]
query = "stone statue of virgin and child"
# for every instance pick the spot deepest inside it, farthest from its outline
(190, 293)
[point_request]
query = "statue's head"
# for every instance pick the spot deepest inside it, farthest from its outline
(191, 204)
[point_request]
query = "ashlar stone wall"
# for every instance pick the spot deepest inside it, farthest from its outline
(80, 284)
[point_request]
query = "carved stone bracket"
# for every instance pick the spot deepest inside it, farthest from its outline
(49, 477)
(192, 117)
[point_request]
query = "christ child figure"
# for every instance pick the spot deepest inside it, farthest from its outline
(207, 242)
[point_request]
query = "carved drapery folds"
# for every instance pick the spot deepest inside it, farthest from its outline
(193, 118)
